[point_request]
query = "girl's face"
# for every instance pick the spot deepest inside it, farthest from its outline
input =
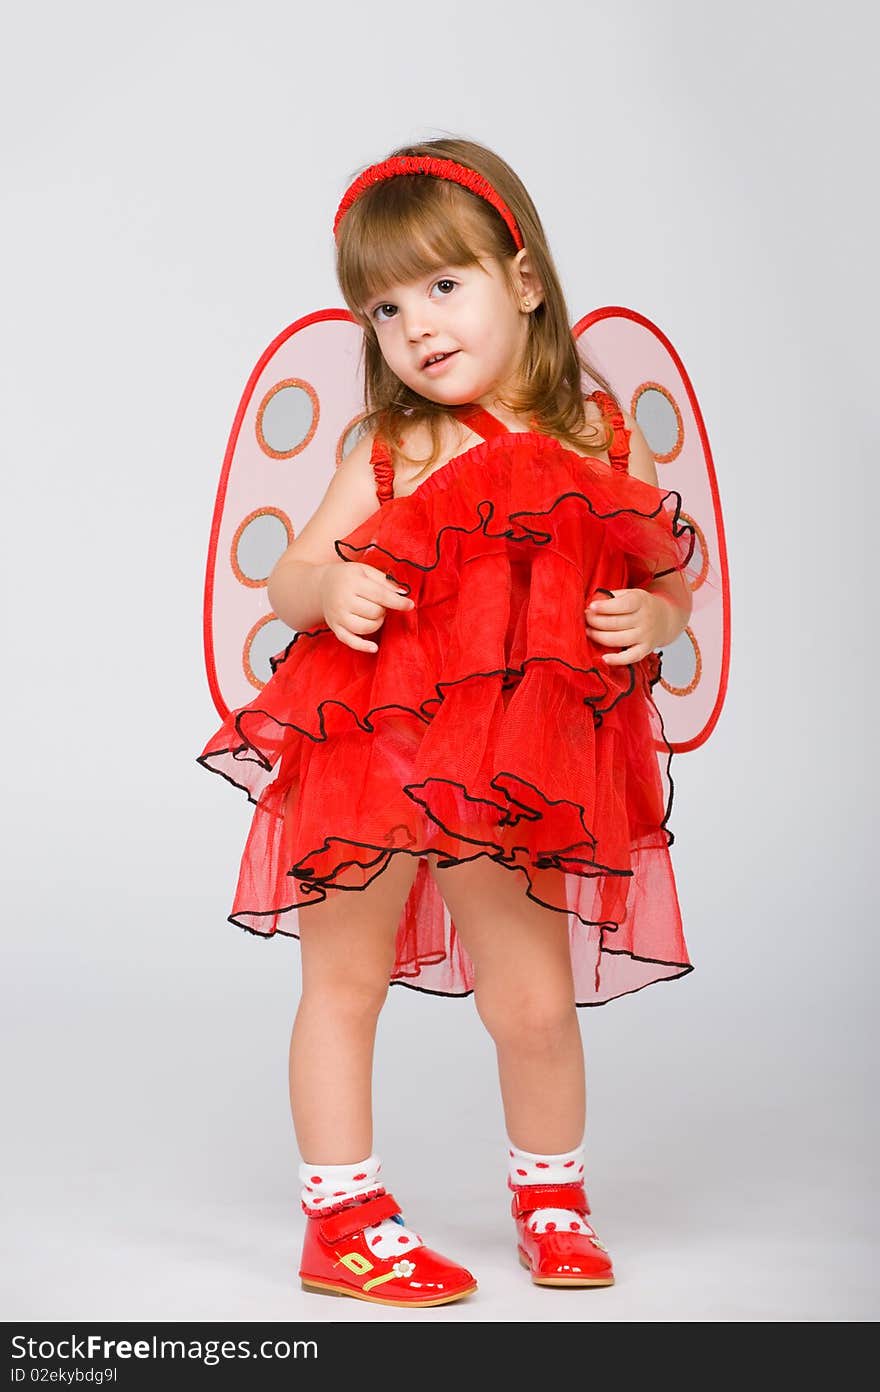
(469, 312)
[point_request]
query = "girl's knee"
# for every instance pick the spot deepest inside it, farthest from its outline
(525, 1016)
(348, 975)
(348, 997)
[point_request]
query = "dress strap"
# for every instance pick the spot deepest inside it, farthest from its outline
(482, 422)
(383, 470)
(478, 419)
(618, 452)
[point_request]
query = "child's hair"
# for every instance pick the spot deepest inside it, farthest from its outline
(405, 227)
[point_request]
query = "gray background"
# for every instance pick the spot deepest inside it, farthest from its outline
(170, 178)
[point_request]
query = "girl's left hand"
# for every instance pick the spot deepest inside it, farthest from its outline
(635, 620)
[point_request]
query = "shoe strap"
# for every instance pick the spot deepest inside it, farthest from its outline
(354, 1220)
(528, 1197)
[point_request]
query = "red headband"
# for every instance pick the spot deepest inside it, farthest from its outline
(440, 169)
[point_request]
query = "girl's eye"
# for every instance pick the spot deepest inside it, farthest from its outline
(444, 281)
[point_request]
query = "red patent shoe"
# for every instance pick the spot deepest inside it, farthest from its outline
(569, 1255)
(336, 1257)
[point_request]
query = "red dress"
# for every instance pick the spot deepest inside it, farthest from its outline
(486, 723)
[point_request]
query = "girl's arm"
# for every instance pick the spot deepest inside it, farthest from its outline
(294, 584)
(671, 588)
(678, 607)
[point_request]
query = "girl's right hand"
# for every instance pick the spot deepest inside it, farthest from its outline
(354, 597)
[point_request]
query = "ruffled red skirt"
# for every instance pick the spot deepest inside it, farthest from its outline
(486, 724)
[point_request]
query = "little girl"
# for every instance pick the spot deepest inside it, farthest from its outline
(463, 721)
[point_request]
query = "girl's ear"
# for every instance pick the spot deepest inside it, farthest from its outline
(528, 288)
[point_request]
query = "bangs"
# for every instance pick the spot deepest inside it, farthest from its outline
(403, 229)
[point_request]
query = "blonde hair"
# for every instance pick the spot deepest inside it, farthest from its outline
(403, 228)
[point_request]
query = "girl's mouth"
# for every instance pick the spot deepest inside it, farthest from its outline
(434, 368)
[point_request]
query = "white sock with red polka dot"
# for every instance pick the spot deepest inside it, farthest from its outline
(524, 1167)
(325, 1185)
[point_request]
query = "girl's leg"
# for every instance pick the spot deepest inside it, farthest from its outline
(347, 949)
(356, 1242)
(524, 994)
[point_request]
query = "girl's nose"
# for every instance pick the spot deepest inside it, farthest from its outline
(418, 329)
(417, 323)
